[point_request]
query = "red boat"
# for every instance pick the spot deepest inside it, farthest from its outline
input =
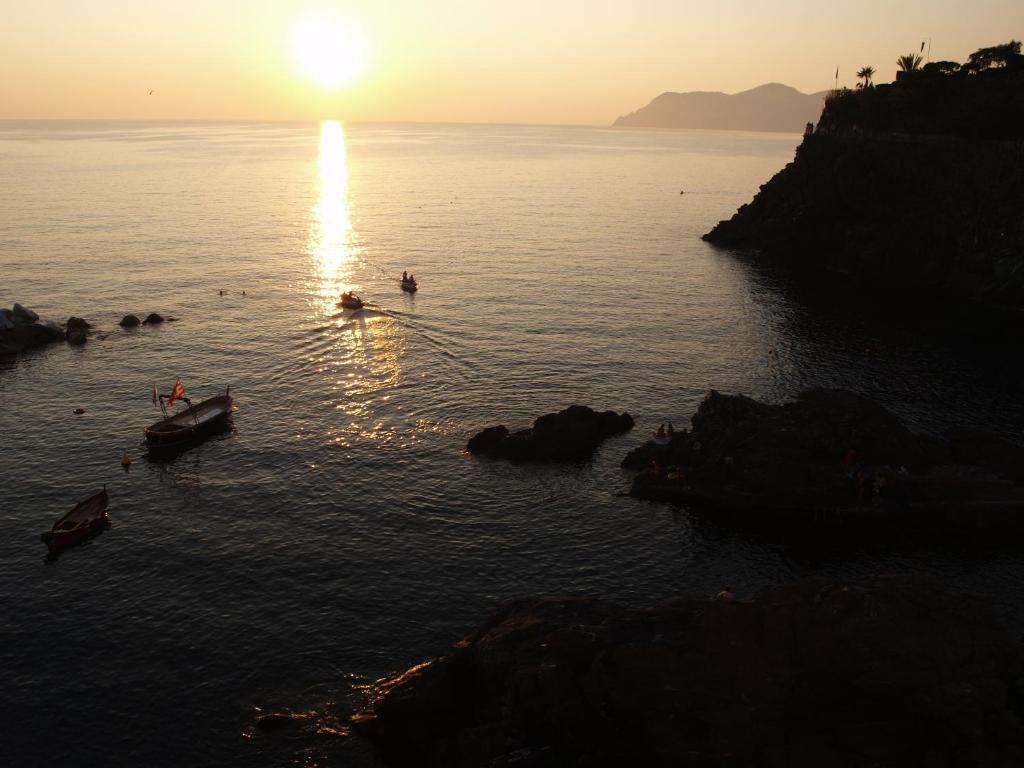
(85, 519)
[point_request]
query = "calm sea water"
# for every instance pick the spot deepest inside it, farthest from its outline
(340, 532)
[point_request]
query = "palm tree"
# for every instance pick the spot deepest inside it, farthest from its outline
(909, 63)
(866, 74)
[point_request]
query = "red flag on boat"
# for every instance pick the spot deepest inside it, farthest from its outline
(156, 394)
(176, 393)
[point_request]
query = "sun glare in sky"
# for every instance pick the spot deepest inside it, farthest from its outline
(330, 54)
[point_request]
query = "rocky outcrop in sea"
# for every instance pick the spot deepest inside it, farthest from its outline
(898, 673)
(832, 454)
(569, 435)
(21, 330)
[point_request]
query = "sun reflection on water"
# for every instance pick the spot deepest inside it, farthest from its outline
(332, 240)
(363, 359)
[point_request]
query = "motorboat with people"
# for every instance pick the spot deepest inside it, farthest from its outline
(85, 518)
(409, 283)
(350, 301)
(197, 422)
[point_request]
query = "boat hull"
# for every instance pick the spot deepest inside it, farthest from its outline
(62, 539)
(190, 427)
(84, 520)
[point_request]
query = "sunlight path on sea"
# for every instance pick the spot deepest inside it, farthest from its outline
(363, 356)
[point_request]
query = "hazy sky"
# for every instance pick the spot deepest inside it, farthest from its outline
(524, 61)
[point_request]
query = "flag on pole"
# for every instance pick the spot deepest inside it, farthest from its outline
(176, 393)
(837, 73)
(156, 394)
(922, 46)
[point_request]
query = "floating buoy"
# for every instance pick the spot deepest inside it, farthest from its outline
(79, 411)
(125, 461)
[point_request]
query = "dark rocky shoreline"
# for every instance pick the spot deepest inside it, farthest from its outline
(779, 464)
(890, 675)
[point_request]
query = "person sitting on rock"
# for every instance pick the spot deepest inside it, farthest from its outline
(671, 430)
(660, 434)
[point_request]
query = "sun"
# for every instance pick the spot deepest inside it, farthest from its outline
(331, 55)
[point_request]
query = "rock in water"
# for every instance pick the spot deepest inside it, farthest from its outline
(569, 435)
(76, 336)
(6, 319)
(276, 721)
(809, 675)
(24, 314)
(487, 440)
(77, 322)
(129, 321)
(152, 319)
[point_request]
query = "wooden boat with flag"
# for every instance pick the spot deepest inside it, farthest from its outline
(190, 426)
(85, 518)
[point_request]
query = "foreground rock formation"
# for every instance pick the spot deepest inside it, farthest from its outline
(834, 454)
(569, 435)
(915, 187)
(893, 675)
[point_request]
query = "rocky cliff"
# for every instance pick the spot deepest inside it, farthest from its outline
(915, 187)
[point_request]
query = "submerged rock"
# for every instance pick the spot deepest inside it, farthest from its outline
(77, 323)
(898, 673)
(76, 336)
(569, 435)
(277, 721)
(152, 319)
(129, 321)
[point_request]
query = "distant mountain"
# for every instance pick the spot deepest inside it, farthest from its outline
(770, 107)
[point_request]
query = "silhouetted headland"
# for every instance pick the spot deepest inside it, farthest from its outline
(769, 107)
(915, 186)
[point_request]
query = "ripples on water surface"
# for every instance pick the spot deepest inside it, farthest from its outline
(340, 532)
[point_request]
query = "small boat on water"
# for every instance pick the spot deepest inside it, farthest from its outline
(351, 301)
(85, 519)
(409, 285)
(188, 426)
